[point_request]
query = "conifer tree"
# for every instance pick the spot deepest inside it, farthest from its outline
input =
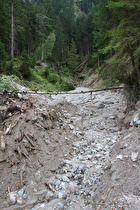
(73, 57)
(125, 40)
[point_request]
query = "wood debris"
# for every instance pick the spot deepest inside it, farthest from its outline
(2, 140)
(105, 196)
(50, 186)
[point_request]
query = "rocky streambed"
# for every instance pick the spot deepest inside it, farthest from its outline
(86, 154)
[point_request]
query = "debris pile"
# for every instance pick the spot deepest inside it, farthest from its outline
(69, 151)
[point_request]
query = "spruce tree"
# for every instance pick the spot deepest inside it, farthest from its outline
(124, 41)
(73, 57)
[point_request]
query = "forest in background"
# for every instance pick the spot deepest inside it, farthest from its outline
(69, 36)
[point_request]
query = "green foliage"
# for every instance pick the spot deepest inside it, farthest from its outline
(81, 76)
(123, 48)
(3, 57)
(44, 51)
(66, 86)
(47, 72)
(48, 80)
(25, 68)
(64, 70)
(7, 83)
(53, 78)
(73, 57)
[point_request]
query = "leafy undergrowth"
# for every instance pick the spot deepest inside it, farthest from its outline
(43, 79)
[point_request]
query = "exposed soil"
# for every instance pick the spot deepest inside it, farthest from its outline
(66, 151)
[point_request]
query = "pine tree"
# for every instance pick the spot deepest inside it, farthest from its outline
(125, 40)
(73, 57)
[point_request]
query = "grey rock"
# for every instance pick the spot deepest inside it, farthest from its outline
(64, 179)
(61, 194)
(19, 200)
(134, 156)
(60, 206)
(71, 127)
(21, 191)
(13, 197)
(137, 123)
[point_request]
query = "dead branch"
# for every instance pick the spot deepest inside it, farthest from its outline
(40, 126)
(50, 186)
(24, 153)
(21, 136)
(81, 66)
(15, 122)
(11, 100)
(21, 175)
(30, 140)
(104, 197)
(8, 188)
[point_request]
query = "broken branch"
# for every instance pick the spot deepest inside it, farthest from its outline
(104, 197)
(30, 140)
(50, 186)
(2, 143)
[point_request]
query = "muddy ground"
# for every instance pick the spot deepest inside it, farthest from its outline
(69, 151)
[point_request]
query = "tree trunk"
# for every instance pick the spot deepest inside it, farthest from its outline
(12, 30)
(98, 62)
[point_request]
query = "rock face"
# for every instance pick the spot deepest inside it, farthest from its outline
(68, 151)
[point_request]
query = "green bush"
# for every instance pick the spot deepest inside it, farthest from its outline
(7, 83)
(53, 78)
(47, 72)
(81, 76)
(66, 86)
(65, 71)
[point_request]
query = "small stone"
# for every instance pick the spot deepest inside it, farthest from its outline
(71, 127)
(62, 186)
(112, 117)
(19, 95)
(137, 123)
(76, 192)
(21, 191)
(42, 205)
(134, 156)
(60, 206)
(19, 199)
(65, 179)
(62, 194)
(14, 169)
(50, 195)
(13, 197)
(38, 176)
(120, 157)
(136, 118)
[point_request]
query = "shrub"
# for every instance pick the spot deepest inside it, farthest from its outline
(65, 71)
(7, 83)
(53, 78)
(66, 86)
(47, 72)
(81, 77)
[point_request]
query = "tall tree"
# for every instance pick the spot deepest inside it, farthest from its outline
(125, 41)
(12, 29)
(73, 57)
